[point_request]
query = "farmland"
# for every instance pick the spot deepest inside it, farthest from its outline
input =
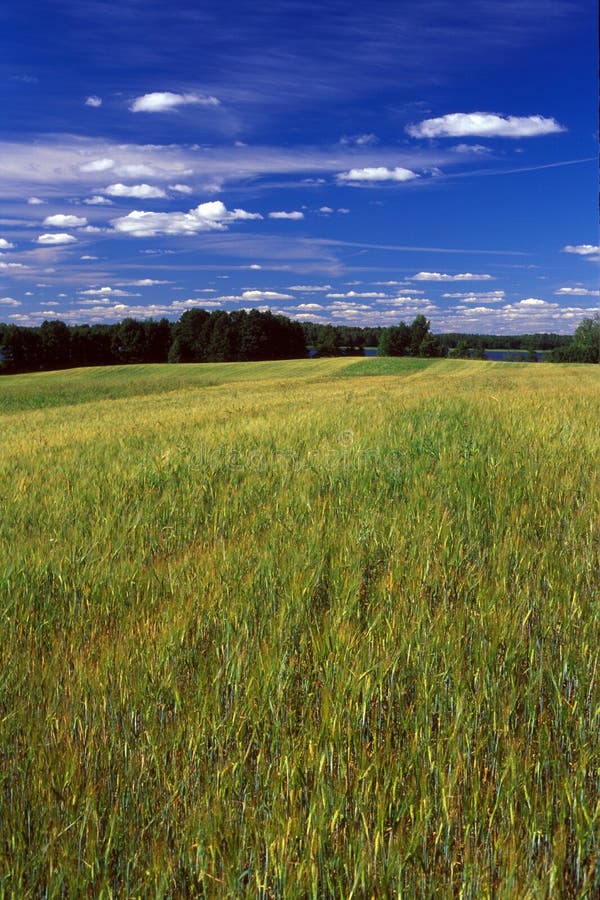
(300, 629)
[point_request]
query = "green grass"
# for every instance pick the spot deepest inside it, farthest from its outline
(283, 630)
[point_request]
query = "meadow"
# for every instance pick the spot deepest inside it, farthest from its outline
(323, 628)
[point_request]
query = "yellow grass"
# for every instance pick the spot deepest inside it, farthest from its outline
(300, 630)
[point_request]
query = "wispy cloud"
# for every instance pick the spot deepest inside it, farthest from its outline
(93, 101)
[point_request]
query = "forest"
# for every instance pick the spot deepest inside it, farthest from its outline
(255, 335)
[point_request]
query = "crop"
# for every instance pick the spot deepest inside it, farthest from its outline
(285, 630)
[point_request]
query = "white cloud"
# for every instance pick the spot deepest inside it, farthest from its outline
(255, 266)
(97, 200)
(478, 149)
(359, 140)
(136, 170)
(440, 276)
(286, 215)
(531, 302)
(55, 239)
(87, 256)
(93, 101)
(484, 124)
(106, 292)
(5, 265)
(376, 174)
(577, 291)
(5, 245)
(8, 301)
(165, 101)
(478, 297)
(212, 216)
(589, 250)
(180, 188)
(63, 221)
(309, 288)
(148, 282)
(350, 294)
(97, 165)
(139, 191)
(326, 210)
(35, 201)
(255, 296)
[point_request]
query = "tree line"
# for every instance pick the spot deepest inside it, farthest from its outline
(201, 336)
(198, 336)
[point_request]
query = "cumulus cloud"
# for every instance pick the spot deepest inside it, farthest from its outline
(309, 288)
(296, 214)
(55, 239)
(478, 297)
(97, 165)
(589, 250)
(441, 276)
(12, 265)
(97, 200)
(531, 303)
(5, 245)
(376, 174)
(165, 101)
(105, 291)
(577, 292)
(484, 124)
(148, 282)
(261, 296)
(351, 294)
(35, 201)
(180, 188)
(63, 221)
(212, 216)
(9, 301)
(139, 191)
(93, 101)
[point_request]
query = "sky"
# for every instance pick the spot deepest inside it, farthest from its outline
(352, 164)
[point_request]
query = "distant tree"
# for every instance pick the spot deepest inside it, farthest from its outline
(395, 341)
(328, 342)
(157, 340)
(586, 340)
(418, 332)
(55, 341)
(190, 337)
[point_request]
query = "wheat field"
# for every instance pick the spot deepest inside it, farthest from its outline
(324, 628)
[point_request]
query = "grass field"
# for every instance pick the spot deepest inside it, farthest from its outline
(286, 630)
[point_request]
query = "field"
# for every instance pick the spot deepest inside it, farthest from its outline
(315, 629)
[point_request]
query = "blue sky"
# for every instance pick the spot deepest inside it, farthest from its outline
(354, 165)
